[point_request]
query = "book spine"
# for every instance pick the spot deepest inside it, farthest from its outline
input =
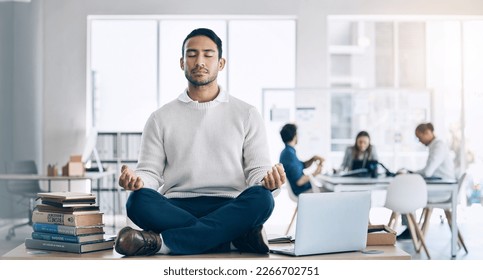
(53, 228)
(54, 218)
(52, 245)
(55, 237)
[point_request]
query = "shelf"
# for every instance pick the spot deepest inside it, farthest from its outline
(118, 147)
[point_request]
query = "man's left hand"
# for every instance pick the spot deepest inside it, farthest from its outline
(275, 178)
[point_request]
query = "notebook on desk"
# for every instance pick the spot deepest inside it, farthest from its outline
(329, 223)
(360, 172)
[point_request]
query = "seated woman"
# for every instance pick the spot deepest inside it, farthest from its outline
(362, 151)
(294, 168)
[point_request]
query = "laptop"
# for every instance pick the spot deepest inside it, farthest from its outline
(358, 164)
(360, 172)
(329, 223)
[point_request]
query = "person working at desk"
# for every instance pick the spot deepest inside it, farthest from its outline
(439, 164)
(207, 154)
(361, 152)
(294, 168)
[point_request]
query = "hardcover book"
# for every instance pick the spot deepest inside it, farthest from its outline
(66, 196)
(105, 244)
(68, 238)
(67, 199)
(67, 230)
(74, 219)
(75, 209)
(68, 204)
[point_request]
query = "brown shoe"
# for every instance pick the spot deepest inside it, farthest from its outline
(131, 242)
(254, 241)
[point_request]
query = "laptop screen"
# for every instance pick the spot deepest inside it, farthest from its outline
(332, 222)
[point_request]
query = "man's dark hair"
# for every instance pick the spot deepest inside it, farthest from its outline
(425, 126)
(207, 33)
(288, 132)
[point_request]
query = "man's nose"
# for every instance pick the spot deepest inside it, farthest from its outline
(200, 62)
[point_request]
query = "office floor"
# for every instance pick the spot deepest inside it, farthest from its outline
(437, 239)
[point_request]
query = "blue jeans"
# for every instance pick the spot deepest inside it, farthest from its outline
(200, 224)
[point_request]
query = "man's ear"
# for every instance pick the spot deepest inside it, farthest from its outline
(181, 63)
(221, 64)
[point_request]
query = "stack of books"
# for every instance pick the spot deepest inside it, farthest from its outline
(68, 222)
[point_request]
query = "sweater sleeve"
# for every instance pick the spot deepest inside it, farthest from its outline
(347, 161)
(152, 156)
(437, 154)
(256, 158)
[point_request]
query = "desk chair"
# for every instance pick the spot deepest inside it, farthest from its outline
(406, 194)
(315, 189)
(26, 189)
(443, 202)
(295, 199)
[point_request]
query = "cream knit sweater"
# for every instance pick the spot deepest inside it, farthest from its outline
(191, 149)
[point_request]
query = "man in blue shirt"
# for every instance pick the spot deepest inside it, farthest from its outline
(294, 168)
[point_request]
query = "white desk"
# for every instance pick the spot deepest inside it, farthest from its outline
(94, 176)
(22, 253)
(339, 184)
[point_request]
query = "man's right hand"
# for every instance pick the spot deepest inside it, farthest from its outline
(128, 179)
(318, 170)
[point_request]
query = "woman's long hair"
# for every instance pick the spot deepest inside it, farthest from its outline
(356, 151)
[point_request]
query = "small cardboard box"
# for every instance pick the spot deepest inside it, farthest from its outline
(75, 167)
(380, 235)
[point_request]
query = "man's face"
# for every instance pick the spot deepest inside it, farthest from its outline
(200, 61)
(424, 137)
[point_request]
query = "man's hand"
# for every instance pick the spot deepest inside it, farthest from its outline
(128, 180)
(318, 160)
(275, 178)
(315, 159)
(318, 170)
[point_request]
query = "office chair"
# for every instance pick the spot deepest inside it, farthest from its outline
(406, 194)
(443, 201)
(295, 199)
(26, 189)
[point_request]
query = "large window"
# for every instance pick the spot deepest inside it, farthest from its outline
(410, 52)
(134, 63)
(123, 73)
